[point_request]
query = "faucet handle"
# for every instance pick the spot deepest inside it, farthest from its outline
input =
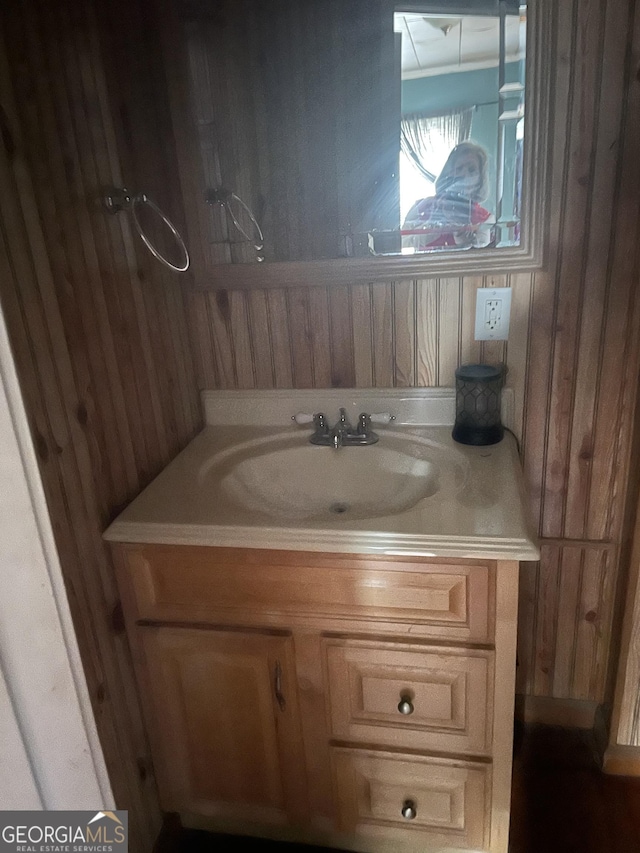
(381, 417)
(318, 420)
(302, 418)
(321, 424)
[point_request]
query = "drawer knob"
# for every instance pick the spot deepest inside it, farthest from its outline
(409, 810)
(405, 706)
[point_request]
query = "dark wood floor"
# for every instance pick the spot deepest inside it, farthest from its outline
(562, 803)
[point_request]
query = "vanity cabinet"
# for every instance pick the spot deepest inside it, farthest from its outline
(356, 701)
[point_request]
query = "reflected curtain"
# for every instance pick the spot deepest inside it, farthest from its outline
(423, 135)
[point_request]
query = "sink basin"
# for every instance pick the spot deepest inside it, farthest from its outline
(251, 479)
(285, 477)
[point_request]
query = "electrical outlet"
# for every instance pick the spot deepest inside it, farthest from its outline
(493, 311)
(492, 314)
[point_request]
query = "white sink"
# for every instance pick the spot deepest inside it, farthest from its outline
(251, 479)
(286, 477)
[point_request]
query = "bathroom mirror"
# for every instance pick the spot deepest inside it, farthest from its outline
(358, 139)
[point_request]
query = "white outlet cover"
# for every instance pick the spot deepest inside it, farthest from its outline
(501, 331)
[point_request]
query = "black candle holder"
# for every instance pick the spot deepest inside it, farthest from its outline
(478, 391)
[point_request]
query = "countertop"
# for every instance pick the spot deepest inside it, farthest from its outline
(486, 517)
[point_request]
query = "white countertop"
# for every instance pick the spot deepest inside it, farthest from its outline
(484, 518)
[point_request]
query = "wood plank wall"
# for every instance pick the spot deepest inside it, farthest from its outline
(284, 98)
(572, 353)
(98, 330)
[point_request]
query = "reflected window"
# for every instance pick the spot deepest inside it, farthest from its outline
(462, 128)
(426, 142)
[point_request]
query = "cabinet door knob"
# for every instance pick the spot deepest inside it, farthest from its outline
(409, 810)
(405, 706)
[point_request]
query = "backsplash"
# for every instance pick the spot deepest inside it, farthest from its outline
(406, 406)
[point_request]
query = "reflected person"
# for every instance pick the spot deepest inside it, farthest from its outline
(454, 217)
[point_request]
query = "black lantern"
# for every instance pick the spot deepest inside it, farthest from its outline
(478, 388)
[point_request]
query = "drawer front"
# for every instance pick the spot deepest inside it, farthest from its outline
(439, 599)
(409, 696)
(407, 799)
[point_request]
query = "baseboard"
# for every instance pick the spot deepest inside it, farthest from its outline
(622, 760)
(572, 713)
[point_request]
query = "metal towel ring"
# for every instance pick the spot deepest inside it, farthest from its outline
(116, 200)
(222, 197)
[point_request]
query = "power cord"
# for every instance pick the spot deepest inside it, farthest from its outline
(506, 429)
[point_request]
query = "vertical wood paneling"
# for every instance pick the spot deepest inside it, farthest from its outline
(219, 312)
(200, 330)
(427, 333)
(576, 201)
(569, 598)
(546, 621)
(625, 725)
(240, 334)
(605, 518)
(593, 620)
(383, 329)
(595, 296)
(565, 624)
(361, 315)
(321, 336)
(537, 390)
(449, 330)
(260, 338)
(469, 349)
(403, 334)
(625, 721)
(527, 614)
(342, 362)
(85, 349)
(298, 311)
(517, 349)
(99, 331)
(404, 314)
(280, 338)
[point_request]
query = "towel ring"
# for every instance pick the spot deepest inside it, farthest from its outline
(116, 200)
(224, 198)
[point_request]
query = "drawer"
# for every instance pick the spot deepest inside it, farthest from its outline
(440, 599)
(412, 697)
(410, 800)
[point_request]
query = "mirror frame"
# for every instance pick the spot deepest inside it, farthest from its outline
(529, 256)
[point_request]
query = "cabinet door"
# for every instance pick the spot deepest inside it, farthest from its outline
(225, 725)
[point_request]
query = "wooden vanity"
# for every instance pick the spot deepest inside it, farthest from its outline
(358, 701)
(340, 679)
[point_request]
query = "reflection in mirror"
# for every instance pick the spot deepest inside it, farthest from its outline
(462, 128)
(356, 128)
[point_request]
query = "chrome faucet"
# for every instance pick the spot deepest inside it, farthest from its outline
(342, 431)
(343, 434)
